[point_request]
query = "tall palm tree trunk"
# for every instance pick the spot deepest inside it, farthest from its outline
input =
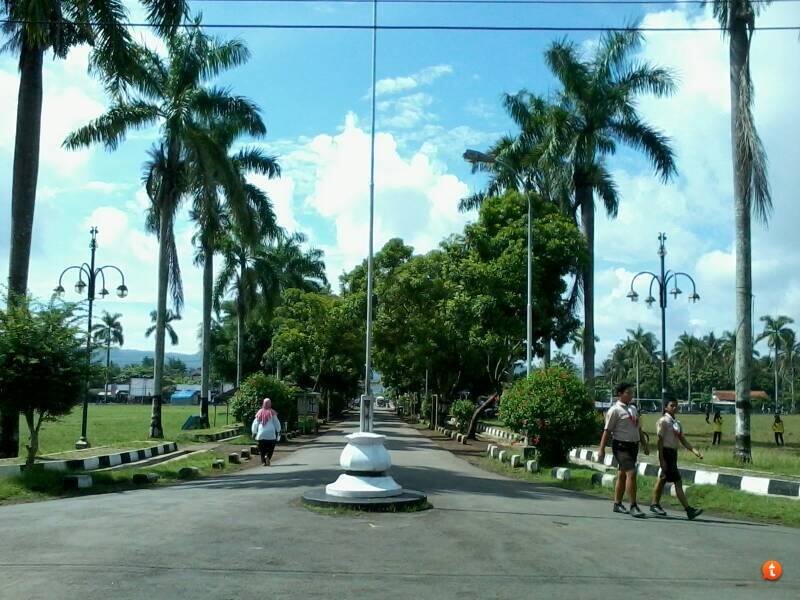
(23, 202)
(637, 373)
(739, 49)
(775, 369)
(239, 319)
(208, 291)
(165, 225)
(584, 197)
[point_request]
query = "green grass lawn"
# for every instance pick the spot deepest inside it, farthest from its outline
(714, 499)
(118, 425)
(767, 457)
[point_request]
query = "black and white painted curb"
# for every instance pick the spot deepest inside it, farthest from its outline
(222, 435)
(763, 486)
(94, 462)
(499, 433)
(518, 461)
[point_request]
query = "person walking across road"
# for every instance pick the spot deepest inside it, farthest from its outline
(266, 429)
(670, 433)
(717, 439)
(777, 429)
(623, 427)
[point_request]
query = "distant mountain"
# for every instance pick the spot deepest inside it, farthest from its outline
(124, 357)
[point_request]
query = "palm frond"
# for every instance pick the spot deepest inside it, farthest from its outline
(649, 140)
(110, 129)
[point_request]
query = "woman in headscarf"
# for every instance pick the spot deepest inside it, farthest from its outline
(266, 429)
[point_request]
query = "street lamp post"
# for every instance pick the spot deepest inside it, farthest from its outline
(90, 272)
(663, 280)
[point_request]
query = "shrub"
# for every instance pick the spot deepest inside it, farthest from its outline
(248, 398)
(553, 409)
(462, 410)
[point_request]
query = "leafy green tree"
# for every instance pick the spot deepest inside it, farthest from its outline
(552, 408)
(596, 110)
(688, 352)
(174, 94)
(564, 361)
(248, 399)
(751, 193)
(43, 367)
(462, 411)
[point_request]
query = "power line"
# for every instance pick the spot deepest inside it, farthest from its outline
(554, 28)
(552, 2)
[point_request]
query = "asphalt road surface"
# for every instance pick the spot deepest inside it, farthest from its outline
(247, 535)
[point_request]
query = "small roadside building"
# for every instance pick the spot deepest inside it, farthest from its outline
(185, 398)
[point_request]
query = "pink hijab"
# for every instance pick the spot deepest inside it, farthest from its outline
(266, 412)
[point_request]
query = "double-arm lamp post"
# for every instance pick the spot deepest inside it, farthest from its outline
(90, 274)
(662, 281)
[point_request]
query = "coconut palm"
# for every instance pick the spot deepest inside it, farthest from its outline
(690, 351)
(168, 319)
(173, 93)
(791, 354)
(751, 191)
(776, 333)
(596, 110)
(31, 29)
(108, 331)
(214, 210)
(258, 275)
(642, 344)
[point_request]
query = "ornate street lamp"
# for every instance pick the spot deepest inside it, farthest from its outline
(662, 281)
(90, 273)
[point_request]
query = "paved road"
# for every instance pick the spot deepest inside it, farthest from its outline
(246, 535)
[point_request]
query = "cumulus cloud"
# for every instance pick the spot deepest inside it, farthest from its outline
(696, 210)
(426, 76)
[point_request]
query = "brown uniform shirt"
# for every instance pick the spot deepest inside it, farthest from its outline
(668, 429)
(622, 422)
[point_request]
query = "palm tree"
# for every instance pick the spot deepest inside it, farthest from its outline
(168, 319)
(173, 93)
(751, 192)
(215, 209)
(688, 349)
(596, 109)
(791, 353)
(31, 29)
(641, 342)
(775, 332)
(577, 339)
(260, 274)
(109, 331)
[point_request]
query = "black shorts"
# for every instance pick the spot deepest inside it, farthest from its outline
(669, 472)
(626, 454)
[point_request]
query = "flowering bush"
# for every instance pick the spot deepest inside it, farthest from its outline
(462, 412)
(552, 408)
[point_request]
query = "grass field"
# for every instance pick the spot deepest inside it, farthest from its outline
(767, 457)
(117, 426)
(714, 499)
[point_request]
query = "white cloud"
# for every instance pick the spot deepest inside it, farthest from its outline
(696, 210)
(415, 198)
(111, 223)
(405, 112)
(426, 76)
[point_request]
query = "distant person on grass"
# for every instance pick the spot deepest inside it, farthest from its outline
(777, 429)
(624, 427)
(670, 433)
(717, 439)
(266, 429)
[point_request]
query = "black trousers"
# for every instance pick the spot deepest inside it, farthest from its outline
(265, 449)
(717, 438)
(778, 436)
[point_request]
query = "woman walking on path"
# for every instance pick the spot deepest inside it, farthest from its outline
(266, 429)
(717, 429)
(777, 429)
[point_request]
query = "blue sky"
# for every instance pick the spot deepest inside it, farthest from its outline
(438, 94)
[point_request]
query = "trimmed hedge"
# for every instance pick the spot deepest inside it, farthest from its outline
(248, 399)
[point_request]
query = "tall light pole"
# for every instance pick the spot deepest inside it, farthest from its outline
(662, 281)
(90, 272)
(474, 157)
